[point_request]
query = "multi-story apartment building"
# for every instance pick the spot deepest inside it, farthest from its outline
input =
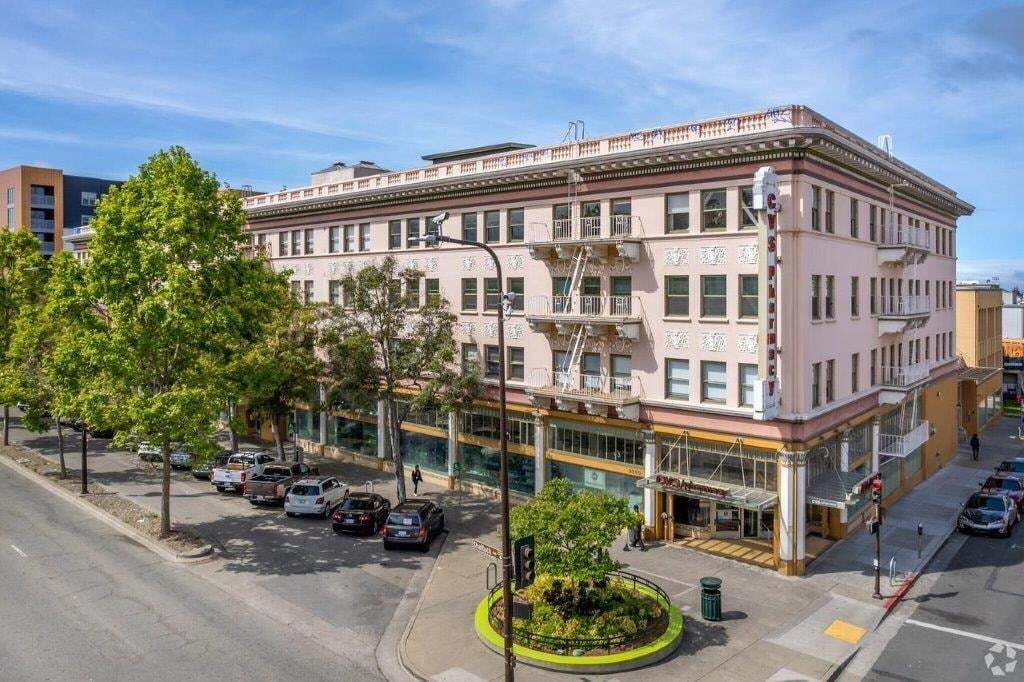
(44, 200)
(979, 341)
(640, 342)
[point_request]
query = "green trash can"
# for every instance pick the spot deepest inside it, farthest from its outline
(711, 599)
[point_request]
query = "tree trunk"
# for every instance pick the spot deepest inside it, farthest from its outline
(60, 450)
(278, 438)
(394, 437)
(7, 424)
(231, 427)
(165, 492)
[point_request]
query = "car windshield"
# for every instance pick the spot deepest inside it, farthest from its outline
(240, 459)
(1003, 483)
(306, 490)
(988, 502)
(1014, 466)
(356, 504)
(403, 520)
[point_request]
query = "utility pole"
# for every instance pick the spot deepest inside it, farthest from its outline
(85, 459)
(876, 528)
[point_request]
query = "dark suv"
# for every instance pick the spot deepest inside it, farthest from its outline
(414, 522)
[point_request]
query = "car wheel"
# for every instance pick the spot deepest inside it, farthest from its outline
(290, 514)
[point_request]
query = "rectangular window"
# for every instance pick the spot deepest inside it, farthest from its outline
(677, 379)
(364, 237)
(816, 384)
(854, 227)
(492, 362)
(412, 233)
(874, 365)
(412, 292)
(712, 203)
(748, 218)
(677, 296)
(622, 217)
(830, 297)
(469, 293)
(492, 294)
(334, 292)
(307, 291)
(469, 356)
(469, 227)
(815, 297)
(873, 295)
(748, 296)
(621, 380)
(855, 372)
(748, 373)
(492, 226)
(433, 291)
(872, 225)
(590, 223)
(830, 381)
(927, 348)
(830, 201)
(333, 239)
(713, 385)
(308, 241)
(855, 296)
(394, 234)
(677, 213)
(516, 225)
(816, 208)
(297, 289)
(297, 242)
(515, 287)
(348, 293)
(350, 238)
(712, 300)
(516, 364)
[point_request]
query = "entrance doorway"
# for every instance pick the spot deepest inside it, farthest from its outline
(750, 529)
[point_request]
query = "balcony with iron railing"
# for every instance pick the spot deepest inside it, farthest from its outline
(46, 248)
(42, 224)
(606, 236)
(596, 392)
(42, 200)
(621, 315)
(78, 234)
(903, 245)
(911, 436)
(896, 381)
(897, 314)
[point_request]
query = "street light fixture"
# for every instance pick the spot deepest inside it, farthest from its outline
(507, 299)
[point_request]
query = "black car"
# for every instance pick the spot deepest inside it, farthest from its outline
(414, 522)
(202, 470)
(361, 513)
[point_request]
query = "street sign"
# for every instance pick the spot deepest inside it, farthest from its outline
(487, 549)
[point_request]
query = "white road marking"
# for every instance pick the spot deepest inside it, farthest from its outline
(662, 577)
(686, 591)
(964, 633)
(23, 555)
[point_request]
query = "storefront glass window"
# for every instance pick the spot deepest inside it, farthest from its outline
(429, 452)
(889, 468)
(595, 480)
(352, 435)
(484, 424)
(483, 465)
(912, 464)
(618, 445)
(753, 469)
(307, 424)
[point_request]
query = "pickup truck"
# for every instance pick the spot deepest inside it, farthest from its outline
(241, 466)
(271, 486)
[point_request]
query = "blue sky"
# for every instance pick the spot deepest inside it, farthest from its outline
(262, 92)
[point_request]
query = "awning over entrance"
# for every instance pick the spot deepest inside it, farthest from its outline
(978, 374)
(707, 489)
(834, 489)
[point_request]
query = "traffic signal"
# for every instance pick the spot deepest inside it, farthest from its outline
(524, 562)
(876, 489)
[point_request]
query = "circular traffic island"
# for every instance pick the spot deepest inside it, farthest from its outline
(622, 622)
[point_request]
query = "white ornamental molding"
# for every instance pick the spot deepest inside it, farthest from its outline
(677, 256)
(468, 264)
(711, 255)
(515, 262)
(413, 264)
(334, 268)
(713, 342)
(467, 328)
(431, 264)
(488, 263)
(490, 329)
(748, 254)
(746, 343)
(676, 339)
(513, 332)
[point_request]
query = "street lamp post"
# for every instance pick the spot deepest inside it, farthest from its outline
(506, 541)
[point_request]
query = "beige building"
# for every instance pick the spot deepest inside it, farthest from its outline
(979, 336)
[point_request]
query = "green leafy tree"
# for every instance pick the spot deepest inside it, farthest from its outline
(279, 368)
(174, 294)
(573, 531)
(22, 274)
(380, 345)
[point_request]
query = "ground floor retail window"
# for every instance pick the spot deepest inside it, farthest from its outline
(720, 519)
(596, 480)
(988, 406)
(429, 452)
(483, 465)
(307, 424)
(889, 468)
(353, 435)
(912, 464)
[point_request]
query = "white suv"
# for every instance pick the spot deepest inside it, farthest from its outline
(314, 496)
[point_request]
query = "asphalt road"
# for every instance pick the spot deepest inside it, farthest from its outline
(81, 602)
(969, 623)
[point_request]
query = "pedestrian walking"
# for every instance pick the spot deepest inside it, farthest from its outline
(417, 477)
(638, 530)
(975, 446)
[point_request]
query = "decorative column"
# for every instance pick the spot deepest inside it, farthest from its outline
(876, 426)
(792, 512)
(453, 446)
(539, 446)
(382, 433)
(650, 454)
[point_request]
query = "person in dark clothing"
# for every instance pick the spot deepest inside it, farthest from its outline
(638, 530)
(417, 478)
(975, 446)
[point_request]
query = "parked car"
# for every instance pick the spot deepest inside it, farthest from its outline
(984, 513)
(270, 486)
(314, 496)
(150, 453)
(241, 466)
(181, 456)
(1013, 467)
(361, 513)
(203, 470)
(415, 522)
(1003, 484)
